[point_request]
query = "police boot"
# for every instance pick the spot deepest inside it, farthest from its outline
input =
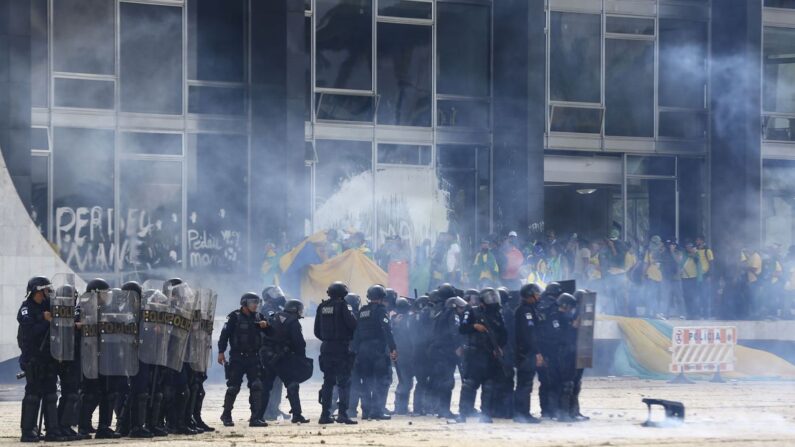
(30, 414)
(466, 404)
(575, 404)
(123, 419)
(272, 411)
(190, 408)
(138, 417)
(177, 410)
(88, 404)
(445, 398)
(197, 413)
(229, 403)
(51, 419)
(68, 415)
(255, 402)
(564, 405)
(295, 404)
(401, 404)
(154, 423)
(106, 407)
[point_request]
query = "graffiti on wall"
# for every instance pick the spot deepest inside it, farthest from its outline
(214, 242)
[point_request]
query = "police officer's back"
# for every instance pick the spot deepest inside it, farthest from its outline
(334, 327)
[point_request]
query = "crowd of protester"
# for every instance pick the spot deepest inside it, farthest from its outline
(655, 278)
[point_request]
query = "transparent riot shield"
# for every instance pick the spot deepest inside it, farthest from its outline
(586, 311)
(118, 333)
(62, 325)
(89, 327)
(179, 324)
(201, 344)
(153, 331)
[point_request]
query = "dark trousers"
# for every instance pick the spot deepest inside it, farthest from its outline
(336, 363)
(525, 372)
(243, 364)
(375, 370)
(480, 370)
(441, 383)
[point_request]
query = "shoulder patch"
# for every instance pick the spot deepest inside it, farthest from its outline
(350, 308)
(528, 316)
(23, 310)
(386, 320)
(555, 324)
(457, 320)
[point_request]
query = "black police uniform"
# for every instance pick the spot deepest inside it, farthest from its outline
(403, 331)
(502, 406)
(549, 336)
(567, 366)
(423, 331)
(334, 327)
(441, 353)
(283, 350)
(525, 320)
(242, 334)
(40, 372)
(271, 410)
(69, 374)
(481, 365)
(372, 343)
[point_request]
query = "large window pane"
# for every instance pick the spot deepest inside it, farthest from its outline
(151, 58)
(84, 93)
(217, 197)
(778, 202)
(151, 214)
(779, 128)
(685, 125)
(779, 70)
(789, 4)
(404, 154)
(39, 72)
(216, 40)
(629, 88)
(344, 44)
(575, 57)
(576, 119)
(464, 58)
(353, 108)
(151, 143)
(308, 68)
(404, 74)
(405, 8)
(216, 100)
(84, 36)
(83, 198)
(683, 63)
(344, 185)
(463, 113)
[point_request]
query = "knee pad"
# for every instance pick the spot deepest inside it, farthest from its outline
(233, 389)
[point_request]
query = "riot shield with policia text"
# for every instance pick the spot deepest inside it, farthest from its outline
(89, 328)
(118, 333)
(183, 305)
(153, 332)
(586, 317)
(62, 325)
(200, 344)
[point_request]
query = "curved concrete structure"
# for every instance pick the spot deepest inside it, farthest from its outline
(24, 253)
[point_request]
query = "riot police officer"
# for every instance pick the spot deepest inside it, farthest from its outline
(242, 334)
(138, 400)
(527, 356)
(486, 336)
(443, 351)
(34, 318)
(423, 331)
(355, 303)
(273, 301)
(374, 346)
(502, 406)
(335, 325)
(575, 410)
(548, 332)
(403, 330)
(283, 355)
(567, 356)
(64, 343)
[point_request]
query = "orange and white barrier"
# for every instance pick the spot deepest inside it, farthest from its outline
(707, 349)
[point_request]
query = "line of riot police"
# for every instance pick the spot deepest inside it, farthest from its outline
(136, 354)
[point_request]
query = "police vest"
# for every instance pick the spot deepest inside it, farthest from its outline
(332, 320)
(246, 336)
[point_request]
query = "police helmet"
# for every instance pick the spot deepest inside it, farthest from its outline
(567, 301)
(391, 296)
(66, 291)
(402, 305)
(354, 301)
(337, 289)
(446, 291)
(505, 295)
(554, 289)
(272, 293)
(489, 297)
(38, 283)
(295, 307)
(455, 302)
(422, 302)
(97, 284)
(529, 290)
(133, 286)
(170, 284)
(376, 292)
(435, 297)
(249, 298)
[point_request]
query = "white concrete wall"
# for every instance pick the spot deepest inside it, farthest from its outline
(24, 253)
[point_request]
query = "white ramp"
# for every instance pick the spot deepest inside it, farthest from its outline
(23, 253)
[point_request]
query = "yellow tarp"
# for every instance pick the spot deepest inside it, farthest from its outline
(352, 267)
(651, 349)
(287, 259)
